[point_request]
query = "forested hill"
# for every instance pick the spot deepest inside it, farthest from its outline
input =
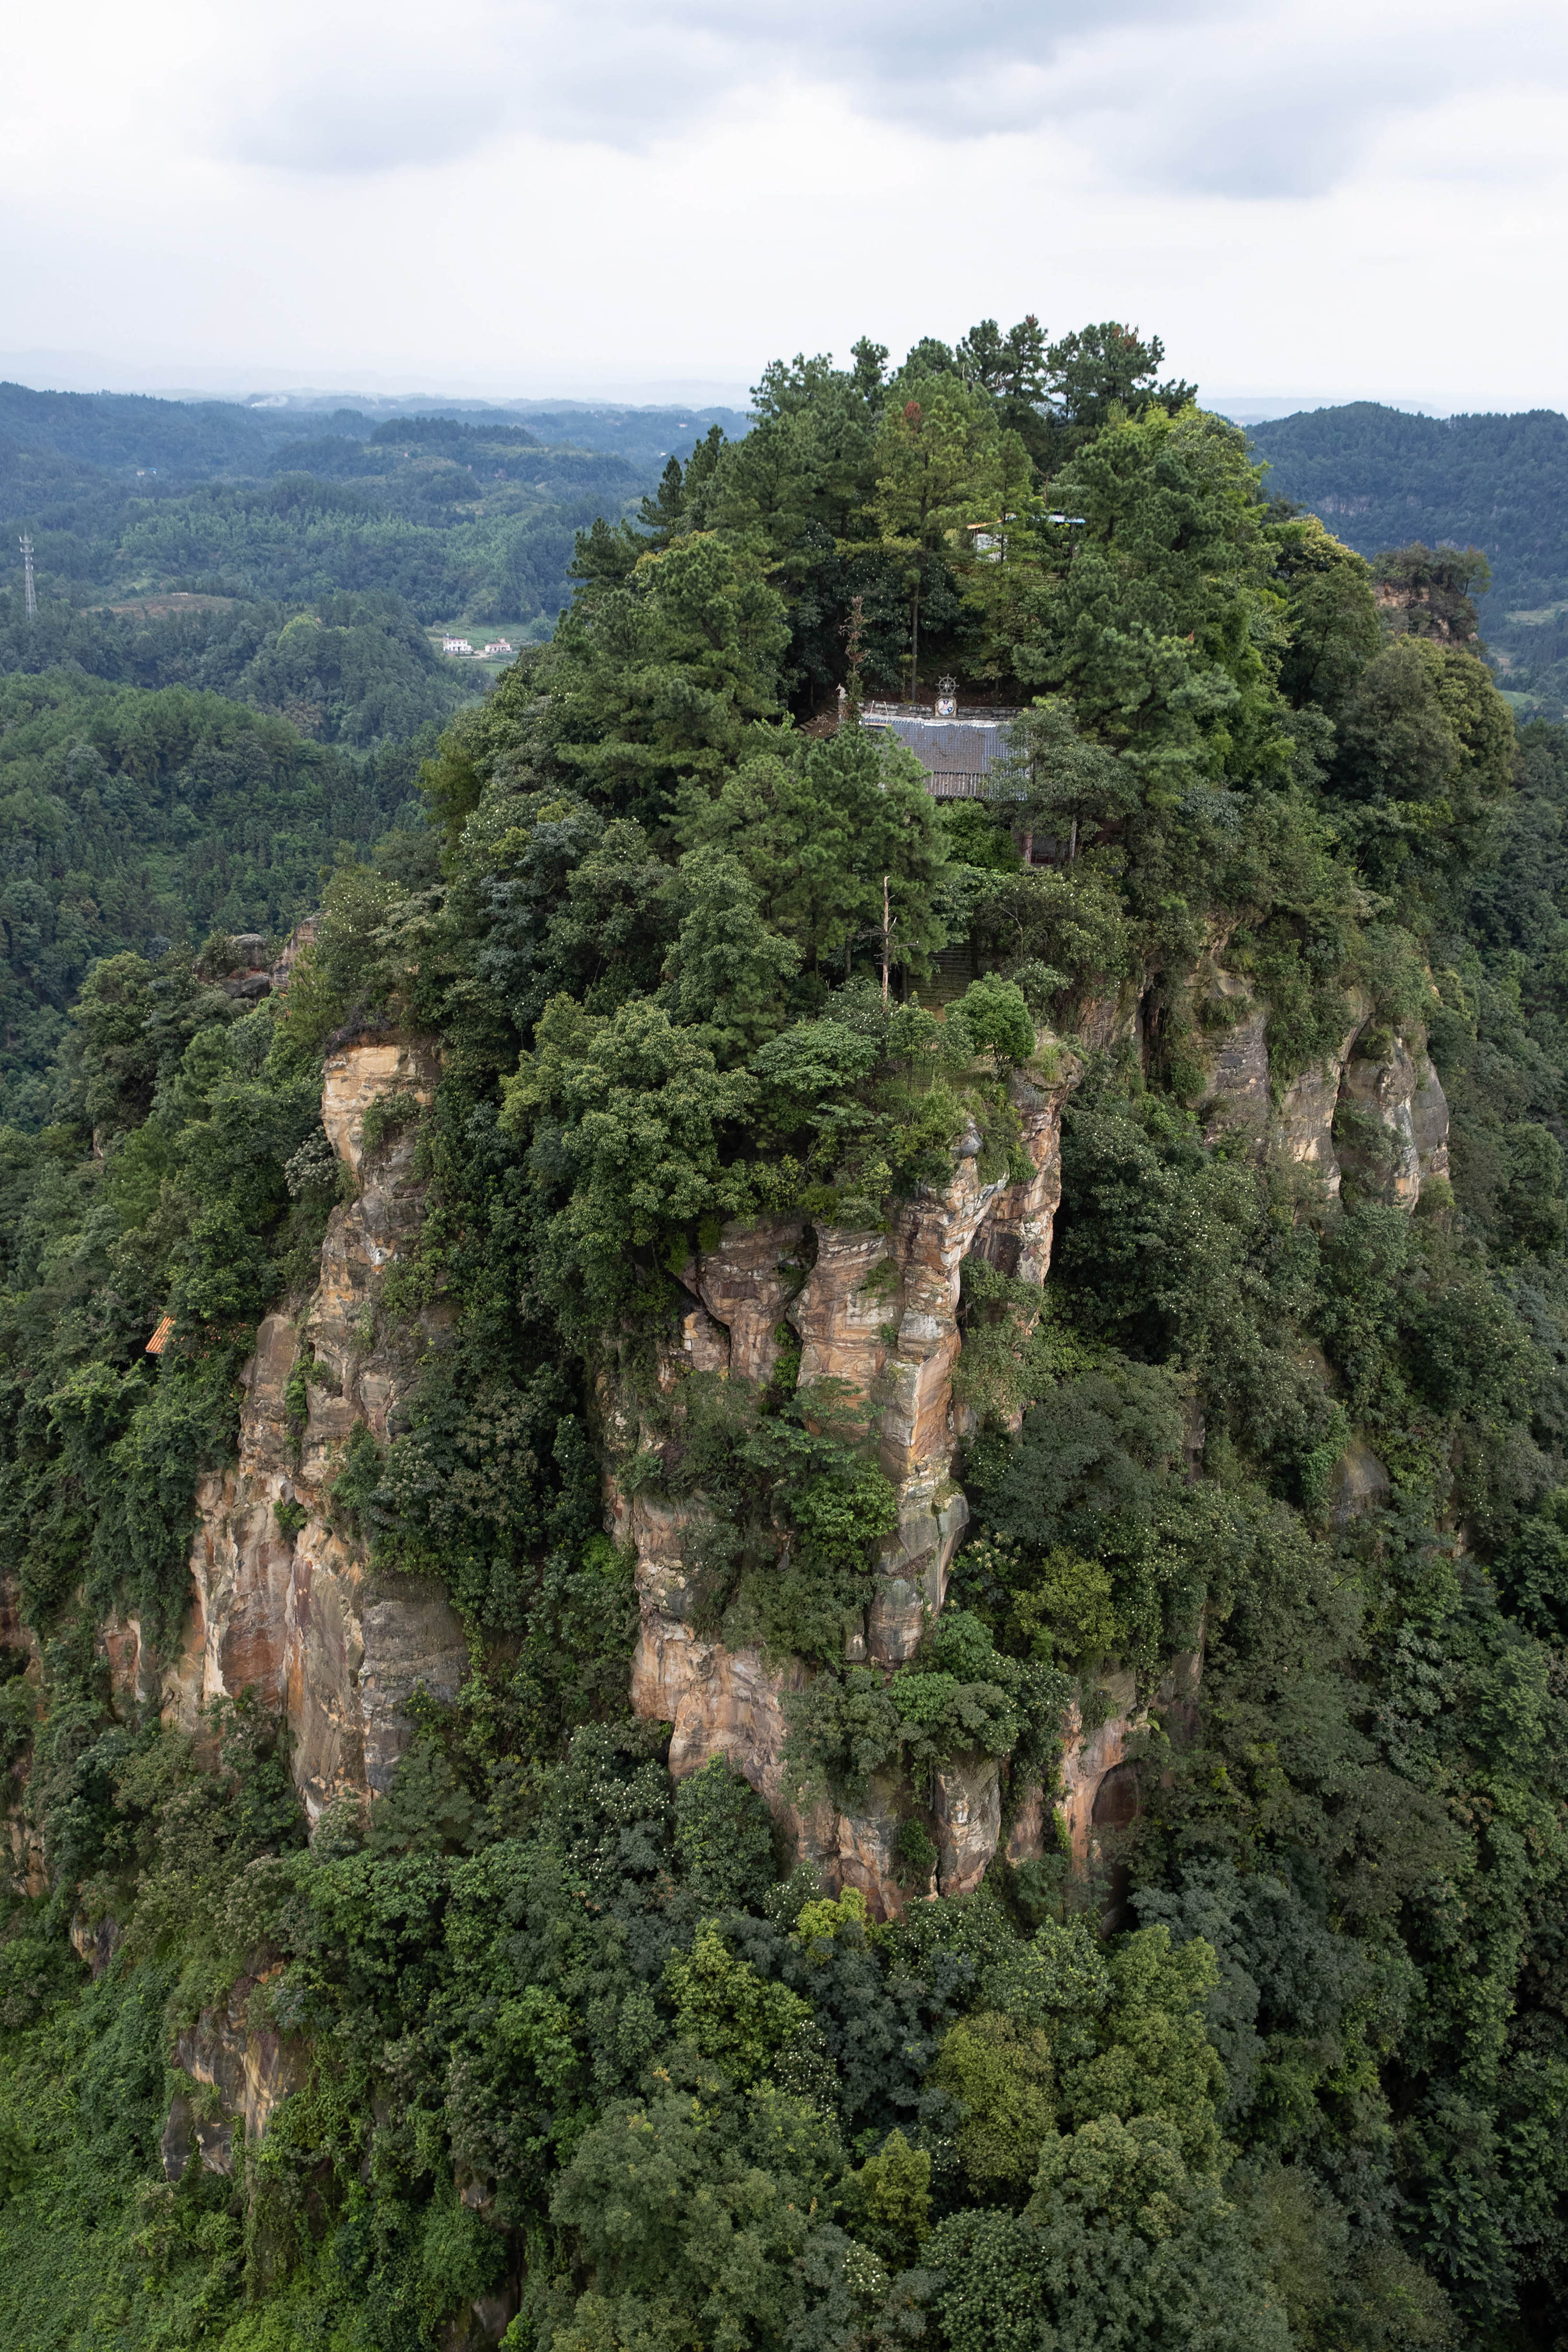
(115, 430)
(792, 1574)
(141, 820)
(466, 514)
(196, 438)
(1380, 478)
(231, 675)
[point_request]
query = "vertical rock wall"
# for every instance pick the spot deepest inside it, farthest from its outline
(296, 1615)
(1381, 1112)
(879, 1311)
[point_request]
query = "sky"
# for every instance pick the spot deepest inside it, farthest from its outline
(1306, 199)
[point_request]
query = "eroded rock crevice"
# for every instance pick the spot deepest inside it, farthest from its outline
(1373, 1106)
(284, 1602)
(878, 1312)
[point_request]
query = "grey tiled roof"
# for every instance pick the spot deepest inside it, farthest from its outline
(951, 750)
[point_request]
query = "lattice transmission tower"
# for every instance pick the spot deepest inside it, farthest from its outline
(28, 591)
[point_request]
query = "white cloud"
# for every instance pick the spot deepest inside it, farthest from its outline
(1296, 193)
(369, 88)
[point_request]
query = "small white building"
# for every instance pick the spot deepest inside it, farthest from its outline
(495, 646)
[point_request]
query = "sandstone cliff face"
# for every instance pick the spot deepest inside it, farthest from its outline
(1376, 1126)
(250, 2067)
(1238, 1039)
(1382, 1113)
(1302, 1126)
(880, 1311)
(297, 1617)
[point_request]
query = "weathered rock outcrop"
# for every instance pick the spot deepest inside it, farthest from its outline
(880, 1312)
(1375, 1127)
(1236, 1035)
(1360, 1484)
(877, 1311)
(283, 1600)
(1392, 1118)
(1380, 1112)
(745, 1282)
(1429, 1124)
(248, 2067)
(1302, 1126)
(287, 1606)
(1097, 1782)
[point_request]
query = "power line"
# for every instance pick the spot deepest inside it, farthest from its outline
(28, 588)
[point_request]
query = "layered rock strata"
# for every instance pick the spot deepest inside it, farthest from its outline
(283, 1601)
(877, 1311)
(1380, 1112)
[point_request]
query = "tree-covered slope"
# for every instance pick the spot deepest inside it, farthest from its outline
(352, 670)
(573, 2051)
(459, 515)
(1381, 479)
(141, 820)
(137, 431)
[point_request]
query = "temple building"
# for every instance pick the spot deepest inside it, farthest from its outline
(962, 757)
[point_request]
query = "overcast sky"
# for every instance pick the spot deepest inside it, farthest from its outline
(1305, 197)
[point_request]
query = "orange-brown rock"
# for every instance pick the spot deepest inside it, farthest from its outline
(718, 1702)
(1113, 1019)
(967, 1803)
(745, 1281)
(1382, 1093)
(842, 1308)
(298, 1616)
(702, 1345)
(93, 1940)
(1088, 1757)
(359, 1074)
(1236, 1083)
(1095, 1780)
(1429, 1122)
(1302, 1130)
(878, 1312)
(251, 2066)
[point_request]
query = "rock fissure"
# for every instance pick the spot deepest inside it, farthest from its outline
(295, 1614)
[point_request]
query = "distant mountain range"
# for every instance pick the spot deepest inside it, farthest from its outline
(203, 437)
(466, 511)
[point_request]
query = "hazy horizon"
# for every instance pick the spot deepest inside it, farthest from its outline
(83, 372)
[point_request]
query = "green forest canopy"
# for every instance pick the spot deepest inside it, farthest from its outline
(583, 2057)
(224, 593)
(1381, 479)
(469, 514)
